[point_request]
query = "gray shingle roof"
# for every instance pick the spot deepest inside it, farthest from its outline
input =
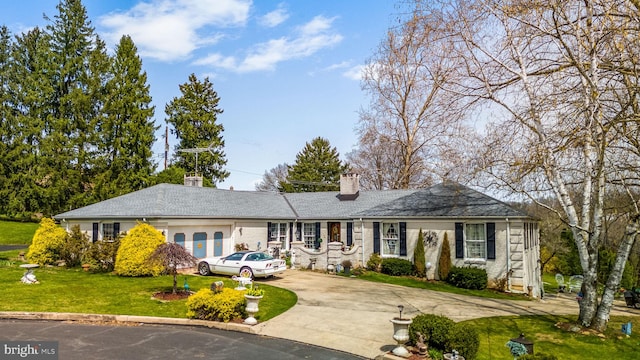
(178, 201)
(444, 200)
(167, 200)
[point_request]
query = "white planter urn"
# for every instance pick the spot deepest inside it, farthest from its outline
(252, 308)
(401, 335)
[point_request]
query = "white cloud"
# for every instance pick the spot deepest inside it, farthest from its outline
(354, 73)
(309, 39)
(275, 17)
(169, 29)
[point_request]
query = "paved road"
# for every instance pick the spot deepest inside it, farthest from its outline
(95, 342)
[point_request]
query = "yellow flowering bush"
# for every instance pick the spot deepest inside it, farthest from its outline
(47, 243)
(225, 305)
(135, 249)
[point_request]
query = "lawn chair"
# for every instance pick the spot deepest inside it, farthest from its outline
(561, 285)
(575, 283)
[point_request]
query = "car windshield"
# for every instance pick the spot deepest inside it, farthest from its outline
(258, 257)
(234, 256)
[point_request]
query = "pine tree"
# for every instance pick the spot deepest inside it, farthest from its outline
(6, 110)
(31, 94)
(79, 68)
(193, 117)
(419, 261)
(317, 168)
(444, 262)
(128, 129)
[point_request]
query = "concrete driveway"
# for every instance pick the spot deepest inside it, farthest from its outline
(353, 315)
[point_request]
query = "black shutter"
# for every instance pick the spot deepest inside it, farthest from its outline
(94, 235)
(491, 240)
(116, 230)
(268, 231)
(298, 231)
(459, 241)
(290, 234)
(376, 237)
(317, 242)
(349, 233)
(403, 239)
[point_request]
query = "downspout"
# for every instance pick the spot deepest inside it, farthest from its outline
(364, 264)
(508, 255)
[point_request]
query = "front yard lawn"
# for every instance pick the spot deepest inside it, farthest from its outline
(436, 286)
(76, 291)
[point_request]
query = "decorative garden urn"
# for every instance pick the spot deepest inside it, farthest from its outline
(401, 335)
(252, 308)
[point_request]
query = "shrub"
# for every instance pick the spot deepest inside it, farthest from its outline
(374, 262)
(135, 248)
(396, 267)
(468, 278)
(101, 255)
(419, 261)
(47, 243)
(435, 329)
(444, 262)
(225, 305)
(73, 249)
(465, 339)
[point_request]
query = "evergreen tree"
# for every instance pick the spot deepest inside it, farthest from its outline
(419, 261)
(444, 262)
(80, 66)
(127, 132)
(5, 114)
(317, 168)
(193, 117)
(31, 92)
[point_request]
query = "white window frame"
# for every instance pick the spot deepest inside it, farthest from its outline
(108, 234)
(390, 239)
(278, 232)
(309, 235)
(475, 247)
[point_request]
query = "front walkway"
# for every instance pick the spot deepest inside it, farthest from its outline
(353, 315)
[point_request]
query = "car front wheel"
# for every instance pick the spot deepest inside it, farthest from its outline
(246, 272)
(203, 269)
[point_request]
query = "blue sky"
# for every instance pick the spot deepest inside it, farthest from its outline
(286, 72)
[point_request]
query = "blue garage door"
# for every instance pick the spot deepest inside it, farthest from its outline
(179, 239)
(200, 245)
(217, 244)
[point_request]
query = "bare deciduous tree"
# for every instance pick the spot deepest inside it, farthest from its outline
(560, 78)
(402, 131)
(272, 179)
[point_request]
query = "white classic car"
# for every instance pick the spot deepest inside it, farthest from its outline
(243, 263)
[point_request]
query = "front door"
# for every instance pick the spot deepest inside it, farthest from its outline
(200, 245)
(217, 244)
(334, 231)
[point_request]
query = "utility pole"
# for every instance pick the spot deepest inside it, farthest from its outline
(166, 145)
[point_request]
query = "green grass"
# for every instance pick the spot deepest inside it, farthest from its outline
(548, 338)
(17, 233)
(436, 286)
(76, 291)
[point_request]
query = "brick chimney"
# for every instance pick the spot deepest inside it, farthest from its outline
(349, 186)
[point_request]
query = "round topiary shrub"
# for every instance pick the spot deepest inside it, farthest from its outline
(135, 249)
(435, 329)
(465, 339)
(47, 243)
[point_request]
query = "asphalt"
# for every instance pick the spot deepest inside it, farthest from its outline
(353, 315)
